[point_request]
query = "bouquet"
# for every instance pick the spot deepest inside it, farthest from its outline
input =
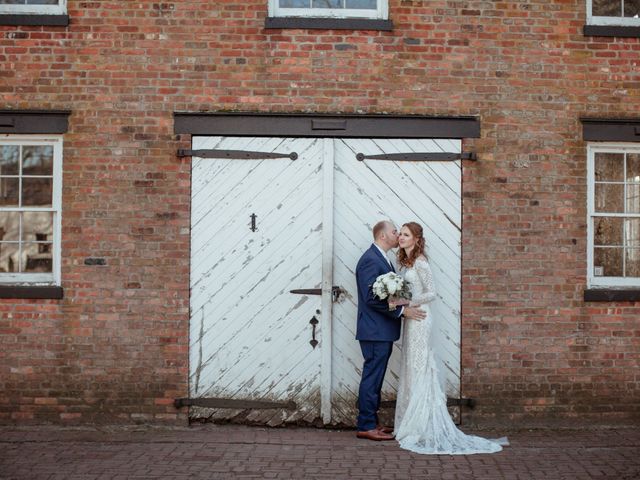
(394, 287)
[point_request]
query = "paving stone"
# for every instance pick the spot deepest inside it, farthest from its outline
(228, 451)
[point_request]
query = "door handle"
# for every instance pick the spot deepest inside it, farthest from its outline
(314, 321)
(336, 291)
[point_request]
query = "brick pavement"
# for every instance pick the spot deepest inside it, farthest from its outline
(228, 451)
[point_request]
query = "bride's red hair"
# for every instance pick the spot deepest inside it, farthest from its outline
(418, 249)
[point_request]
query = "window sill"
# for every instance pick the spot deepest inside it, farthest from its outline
(34, 20)
(311, 23)
(612, 295)
(31, 292)
(611, 31)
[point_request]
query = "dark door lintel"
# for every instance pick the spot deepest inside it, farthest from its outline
(325, 125)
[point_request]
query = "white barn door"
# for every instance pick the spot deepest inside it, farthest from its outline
(250, 337)
(402, 191)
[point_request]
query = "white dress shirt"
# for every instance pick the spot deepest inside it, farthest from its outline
(384, 254)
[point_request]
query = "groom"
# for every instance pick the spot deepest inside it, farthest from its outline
(378, 327)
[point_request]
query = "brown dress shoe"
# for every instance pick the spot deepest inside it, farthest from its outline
(384, 429)
(375, 435)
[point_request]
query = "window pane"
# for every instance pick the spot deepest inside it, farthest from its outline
(37, 226)
(632, 262)
(609, 198)
(632, 232)
(607, 262)
(26, 182)
(327, 3)
(632, 8)
(9, 188)
(9, 157)
(609, 167)
(607, 8)
(9, 257)
(34, 259)
(10, 226)
(37, 191)
(368, 4)
(633, 167)
(295, 3)
(608, 231)
(633, 198)
(37, 160)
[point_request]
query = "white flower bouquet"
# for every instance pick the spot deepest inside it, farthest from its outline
(394, 287)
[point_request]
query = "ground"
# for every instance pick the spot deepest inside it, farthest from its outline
(231, 451)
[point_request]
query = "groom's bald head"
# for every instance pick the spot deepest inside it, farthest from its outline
(385, 235)
(380, 227)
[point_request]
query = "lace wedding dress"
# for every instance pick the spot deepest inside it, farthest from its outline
(422, 422)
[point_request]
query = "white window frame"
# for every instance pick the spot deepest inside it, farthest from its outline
(382, 12)
(618, 21)
(60, 9)
(54, 277)
(592, 149)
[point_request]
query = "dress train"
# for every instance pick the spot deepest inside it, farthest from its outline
(422, 421)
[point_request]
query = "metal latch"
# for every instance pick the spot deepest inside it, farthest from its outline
(335, 292)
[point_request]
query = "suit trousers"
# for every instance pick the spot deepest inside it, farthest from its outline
(376, 357)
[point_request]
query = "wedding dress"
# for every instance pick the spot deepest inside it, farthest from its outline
(422, 422)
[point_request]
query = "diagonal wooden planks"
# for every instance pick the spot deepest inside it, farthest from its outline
(401, 191)
(249, 335)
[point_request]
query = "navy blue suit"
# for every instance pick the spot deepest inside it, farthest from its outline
(377, 329)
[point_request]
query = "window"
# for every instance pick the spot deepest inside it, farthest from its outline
(614, 214)
(613, 12)
(51, 7)
(30, 208)
(377, 9)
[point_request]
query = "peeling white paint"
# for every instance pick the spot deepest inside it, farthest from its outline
(249, 335)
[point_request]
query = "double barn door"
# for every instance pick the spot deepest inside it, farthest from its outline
(278, 225)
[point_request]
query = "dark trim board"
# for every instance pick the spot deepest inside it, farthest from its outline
(34, 20)
(611, 295)
(31, 292)
(337, 126)
(611, 31)
(611, 130)
(310, 23)
(34, 121)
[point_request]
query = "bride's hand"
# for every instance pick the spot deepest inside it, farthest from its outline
(414, 313)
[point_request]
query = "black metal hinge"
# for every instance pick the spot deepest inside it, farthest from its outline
(461, 402)
(235, 404)
(234, 154)
(451, 402)
(419, 156)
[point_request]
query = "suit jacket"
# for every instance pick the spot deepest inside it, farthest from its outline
(375, 321)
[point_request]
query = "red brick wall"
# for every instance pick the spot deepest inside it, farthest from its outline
(116, 347)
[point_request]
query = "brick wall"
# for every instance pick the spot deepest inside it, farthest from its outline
(116, 347)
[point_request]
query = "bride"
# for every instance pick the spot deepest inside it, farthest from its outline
(422, 422)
